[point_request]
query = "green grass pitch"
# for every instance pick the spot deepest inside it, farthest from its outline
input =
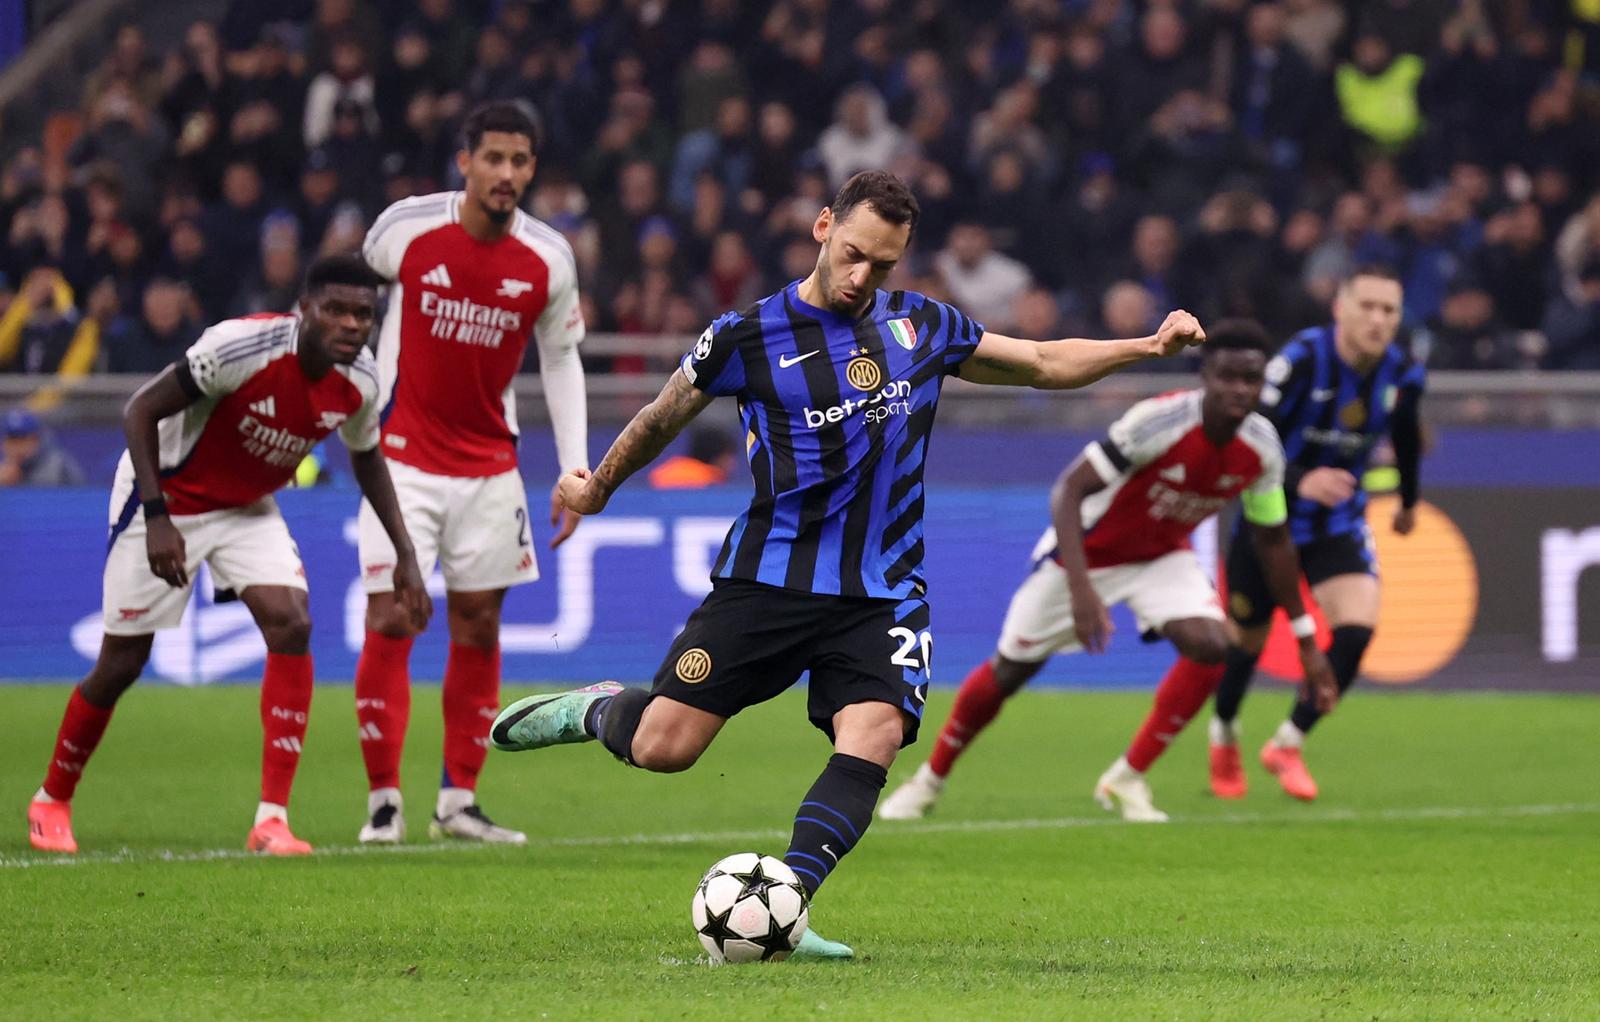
(1451, 870)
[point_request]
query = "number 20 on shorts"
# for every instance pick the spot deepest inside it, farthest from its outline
(910, 644)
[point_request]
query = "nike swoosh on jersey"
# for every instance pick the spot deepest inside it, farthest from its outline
(785, 361)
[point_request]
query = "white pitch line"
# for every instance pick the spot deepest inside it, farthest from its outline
(126, 856)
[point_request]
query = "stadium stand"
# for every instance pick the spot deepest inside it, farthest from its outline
(1084, 165)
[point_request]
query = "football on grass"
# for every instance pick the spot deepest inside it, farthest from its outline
(749, 908)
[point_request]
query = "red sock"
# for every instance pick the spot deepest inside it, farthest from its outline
(471, 699)
(976, 705)
(81, 728)
(285, 705)
(383, 706)
(1179, 697)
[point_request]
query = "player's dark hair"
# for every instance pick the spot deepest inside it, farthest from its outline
(884, 192)
(351, 270)
(504, 115)
(1237, 335)
(1382, 271)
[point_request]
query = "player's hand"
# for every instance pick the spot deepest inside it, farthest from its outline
(1405, 519)
(1320, 686)
(562, 518)
(1178, 331)
(411, 590)
(163, 544)
(577, 492)
(1091, 621)
(1329, 487)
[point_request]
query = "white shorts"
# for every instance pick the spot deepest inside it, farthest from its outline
(475, 528)
(1170, 588)
(244, 546)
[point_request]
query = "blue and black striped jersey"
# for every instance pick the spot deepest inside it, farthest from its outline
(837, 413)
(1329, 415)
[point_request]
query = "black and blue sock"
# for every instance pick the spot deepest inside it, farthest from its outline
(615, 719)
(833, 816)
(1349, 645)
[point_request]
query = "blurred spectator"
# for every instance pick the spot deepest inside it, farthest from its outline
(123, 134)
(726, 150)
(232, 224)
(1157, 68)
(1467, 332)
(1572, 323)
(266, 103)
(158, 335)
(348, 80)
(275, 286)
(1577, 246)
(336, 20)
(1514, 264)
(983, 283)
(1377, 92)
(1155, 258)
(187, 260)
(707, 462)
(861, 136)
(710, 75)
(1274, 91)
(128, 62)
(1037, 315)
(732, 281)
(1126, 310)
(28, 457)
(41, 331)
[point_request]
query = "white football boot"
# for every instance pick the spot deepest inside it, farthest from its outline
(458, 816)
(1123, 784)
(386, 822)
(913, 799)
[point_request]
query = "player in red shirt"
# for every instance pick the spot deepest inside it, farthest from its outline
(209, 441)
(472, 278)
(1122, 513)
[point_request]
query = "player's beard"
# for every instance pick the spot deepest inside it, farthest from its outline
(498, 217)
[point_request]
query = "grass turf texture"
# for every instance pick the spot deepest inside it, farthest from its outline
(1019, 899)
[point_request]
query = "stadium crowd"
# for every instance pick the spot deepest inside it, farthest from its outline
(1083, 165)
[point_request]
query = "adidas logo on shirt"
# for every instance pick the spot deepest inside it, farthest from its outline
(438, 277)
(266, 408)
(1175, 474)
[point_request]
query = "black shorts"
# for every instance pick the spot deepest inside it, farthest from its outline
(1250, 603)
(748, 642)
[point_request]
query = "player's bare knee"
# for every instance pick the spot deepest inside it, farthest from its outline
(875, 734)
(287, 629)
(121, 661)
(386, 617)
(474, 619)
(1203, 642)
(1011, 675)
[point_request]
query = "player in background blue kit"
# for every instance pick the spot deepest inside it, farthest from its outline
(1333, 392)
(837, 382)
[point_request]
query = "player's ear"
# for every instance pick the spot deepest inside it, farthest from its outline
(463, 159)
(819, 230)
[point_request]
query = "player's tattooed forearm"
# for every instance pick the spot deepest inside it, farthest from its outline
(650, 431)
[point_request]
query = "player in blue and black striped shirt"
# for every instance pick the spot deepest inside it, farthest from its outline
(1333, 392)
(837, 382)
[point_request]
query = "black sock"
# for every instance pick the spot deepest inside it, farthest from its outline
(833, 817)
(1344, 656)
(614, 720)
(1237, 670)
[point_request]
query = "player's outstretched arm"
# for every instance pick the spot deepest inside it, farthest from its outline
(1405, 431)
(372, 475)
(1281, 566)
(656, 425)
(1074, 362)
(167, 393)
(1089, 617)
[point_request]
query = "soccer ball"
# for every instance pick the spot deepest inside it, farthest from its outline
(749, 908)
